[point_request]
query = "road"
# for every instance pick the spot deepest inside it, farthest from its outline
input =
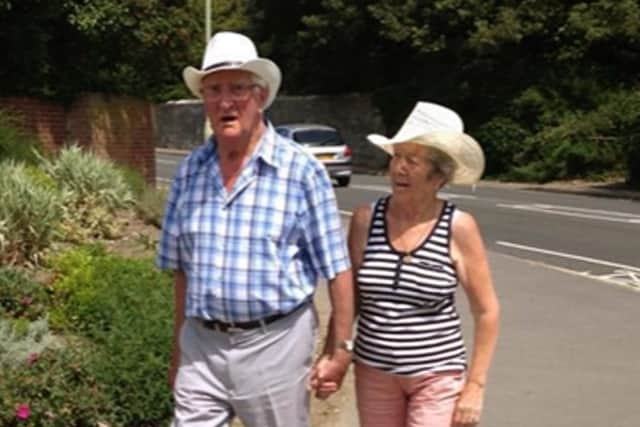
(567, 271)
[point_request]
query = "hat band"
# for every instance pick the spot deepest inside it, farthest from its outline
(222, 64)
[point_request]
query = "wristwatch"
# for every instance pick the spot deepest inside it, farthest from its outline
(346, 345)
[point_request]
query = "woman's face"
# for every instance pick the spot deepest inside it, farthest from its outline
(411, 171)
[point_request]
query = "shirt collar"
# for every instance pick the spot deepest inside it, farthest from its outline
(265, 150)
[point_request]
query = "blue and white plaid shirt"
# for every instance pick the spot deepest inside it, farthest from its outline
(259, 249)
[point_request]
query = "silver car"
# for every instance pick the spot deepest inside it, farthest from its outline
(326, 144)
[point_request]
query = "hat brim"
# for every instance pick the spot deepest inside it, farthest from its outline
(263, 68)
(463, 149)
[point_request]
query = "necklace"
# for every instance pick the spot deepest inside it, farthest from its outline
(407, 258)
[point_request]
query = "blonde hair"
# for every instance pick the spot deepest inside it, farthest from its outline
(442, 163)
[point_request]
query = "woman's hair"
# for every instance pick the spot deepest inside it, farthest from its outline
(442, 163)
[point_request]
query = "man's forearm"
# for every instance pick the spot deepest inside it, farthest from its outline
(342, 297)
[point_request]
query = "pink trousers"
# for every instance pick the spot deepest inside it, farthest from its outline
(387, 400)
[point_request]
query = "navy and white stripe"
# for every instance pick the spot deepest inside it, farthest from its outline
(257, 250)
(408, 323)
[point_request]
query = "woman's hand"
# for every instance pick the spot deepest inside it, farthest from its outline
(469, 406)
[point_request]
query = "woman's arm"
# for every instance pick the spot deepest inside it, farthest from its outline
(473, 270)
(357, 242)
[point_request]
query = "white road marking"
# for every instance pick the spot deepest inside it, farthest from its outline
(623, 275)
(576, 212)
(569, 256)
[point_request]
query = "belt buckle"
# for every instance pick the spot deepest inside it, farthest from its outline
(227, 328)
(231, 329)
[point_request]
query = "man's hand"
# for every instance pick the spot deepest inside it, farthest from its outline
(328, 373)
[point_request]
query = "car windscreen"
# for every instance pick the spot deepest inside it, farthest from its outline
(318, 137)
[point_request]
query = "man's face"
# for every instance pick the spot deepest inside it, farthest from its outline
(233, 103)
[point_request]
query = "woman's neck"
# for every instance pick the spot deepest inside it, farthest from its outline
(413, 210)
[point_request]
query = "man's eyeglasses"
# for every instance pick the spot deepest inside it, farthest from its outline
(234, 91)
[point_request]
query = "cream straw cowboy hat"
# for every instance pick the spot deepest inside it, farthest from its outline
(438, 127)
(233, 51)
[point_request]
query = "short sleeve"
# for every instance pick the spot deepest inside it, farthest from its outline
(168, 257)
(323, 231)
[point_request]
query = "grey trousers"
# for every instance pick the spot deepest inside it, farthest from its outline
(258, 375)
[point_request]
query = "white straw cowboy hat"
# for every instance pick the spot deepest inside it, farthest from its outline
(438, 127)
(233, 51)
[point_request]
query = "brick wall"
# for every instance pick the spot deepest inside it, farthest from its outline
(115, 127)
(43, 118)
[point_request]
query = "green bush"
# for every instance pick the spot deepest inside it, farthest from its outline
(15, 143)
(21, 297)
(590, 145)
(124, 307)
(21, 340)
(93, 190)
(134, 180)
(30, 214)
(501, 139)
(151, 205)
(633, 163)
(54, 388)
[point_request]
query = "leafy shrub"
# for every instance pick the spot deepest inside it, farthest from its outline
(21, 341)
(93, 188)
(134, 180)
(53, 388)
(124, 307)
(30, 214)
(590, 145)
(633, 163)
(151, 205)
(15, 143)
(21, 297)
(501, 139)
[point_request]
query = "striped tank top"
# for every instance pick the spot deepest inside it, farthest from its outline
(408, 324)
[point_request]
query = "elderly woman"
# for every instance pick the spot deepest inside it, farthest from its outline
(409, 251)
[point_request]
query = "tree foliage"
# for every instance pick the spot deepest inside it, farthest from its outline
(63, 47)
(532, 63)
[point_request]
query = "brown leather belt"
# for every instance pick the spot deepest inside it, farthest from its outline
(227, 327)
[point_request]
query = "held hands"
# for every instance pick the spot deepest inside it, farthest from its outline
(469, 406)
(327, 375)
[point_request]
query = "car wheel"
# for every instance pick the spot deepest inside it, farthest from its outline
(343, 181)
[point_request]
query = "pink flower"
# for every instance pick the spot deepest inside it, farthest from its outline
(33, 358)
(23, 412)
(27, 300)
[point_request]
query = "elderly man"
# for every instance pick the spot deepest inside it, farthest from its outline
(251, 223)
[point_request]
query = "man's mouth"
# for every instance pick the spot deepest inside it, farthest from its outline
(228, 118)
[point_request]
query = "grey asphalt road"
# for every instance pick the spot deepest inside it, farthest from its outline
(567, 270)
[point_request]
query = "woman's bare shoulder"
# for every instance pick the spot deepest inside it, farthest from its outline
(464, 223)
(362, 215)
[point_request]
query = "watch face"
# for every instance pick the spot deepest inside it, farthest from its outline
(346, 345)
